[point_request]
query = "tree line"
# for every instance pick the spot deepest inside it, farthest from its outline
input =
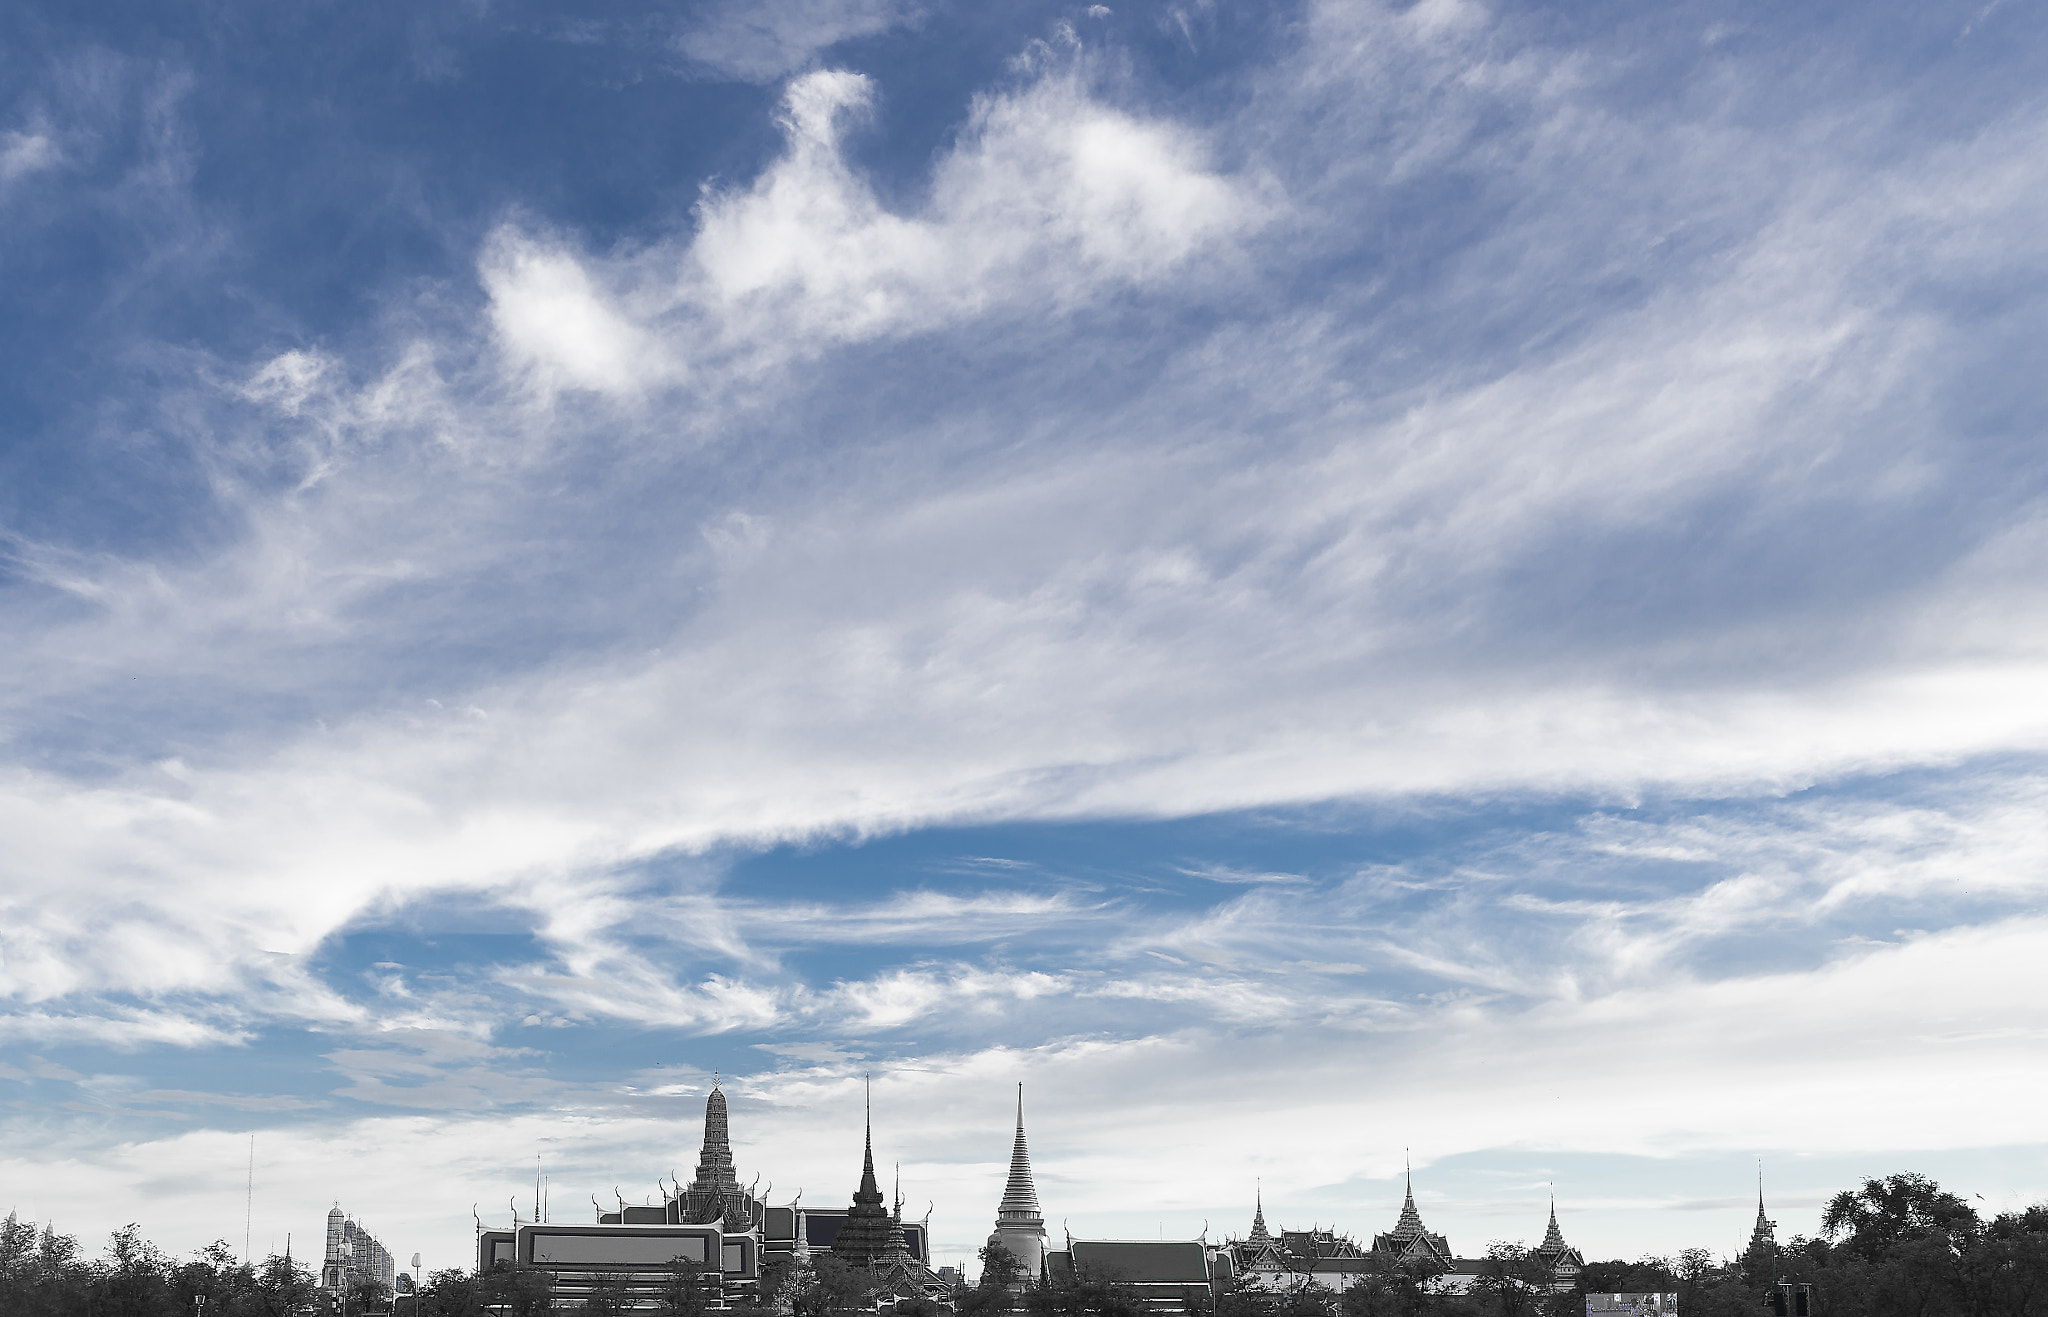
(1900, 1246)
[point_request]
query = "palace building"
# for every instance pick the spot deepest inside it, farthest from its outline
(1296, 1258)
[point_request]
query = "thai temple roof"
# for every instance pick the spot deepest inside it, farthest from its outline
(1553, 1238)
(1259, 1234)
(1410, 1238)
(1410, 1223)
(1766, 1231)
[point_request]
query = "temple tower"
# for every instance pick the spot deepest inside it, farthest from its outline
(1764, 1235)
(869, 1233)
(714, 1194)
(1020, 1228)
(1259, 1234)
(1564, 1262)
(1409, 1240)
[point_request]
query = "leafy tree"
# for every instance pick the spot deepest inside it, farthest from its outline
(1244, 1301)
(1512, 1281)
(1307, 1299)
(1647, 1275)
(1885, 1215)
(451, 1292)
(1394, 1290)
(609, 1296)
(824, 1285)
(216, 1275)
(770, 1291)
(2012, 1264)
(520, 1292)
(688, 1292)
(282, 1287)
(1086, 1293)
(995, 1290)
(135, 1280)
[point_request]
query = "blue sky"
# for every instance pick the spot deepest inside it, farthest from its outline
(1316, 582)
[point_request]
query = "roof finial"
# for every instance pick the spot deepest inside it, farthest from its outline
(1020, 1104)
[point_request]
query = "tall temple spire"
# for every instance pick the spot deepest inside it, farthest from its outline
(1020, 1227)
(1765, 1234)
(867, 1232)
(1020, 1195)
(1410, 1223)
(1553, 1238)
(1259, 1234)
(1564, 1262)
(1410, 1239)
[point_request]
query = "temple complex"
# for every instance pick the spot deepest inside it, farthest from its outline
(718, 1233)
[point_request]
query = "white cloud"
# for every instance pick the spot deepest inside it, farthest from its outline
(551, 315)
(22, 154)
(1049, 200)
(760, 42)
(1054, 493)
(1692, 1078)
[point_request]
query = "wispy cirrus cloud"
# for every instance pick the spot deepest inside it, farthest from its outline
(761, 43)
(1615, 445)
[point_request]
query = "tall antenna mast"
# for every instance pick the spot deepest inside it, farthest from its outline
(249, 1202)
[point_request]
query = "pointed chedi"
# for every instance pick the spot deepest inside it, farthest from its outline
(1020, 1227)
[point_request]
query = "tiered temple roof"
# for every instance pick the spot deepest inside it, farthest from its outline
(873, 1237)
(1764, 1236)
(1410, 1240)
(1259, 1234)
(1564, 1261)
(869, 1232)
